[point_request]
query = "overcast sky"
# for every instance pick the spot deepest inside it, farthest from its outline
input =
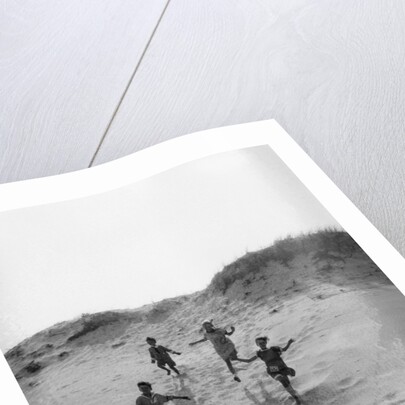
(158, 238)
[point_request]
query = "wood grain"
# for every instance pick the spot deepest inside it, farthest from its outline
(330, 72)
(63, 68)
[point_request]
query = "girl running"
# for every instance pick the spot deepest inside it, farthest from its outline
(222, 345)
(275, 365)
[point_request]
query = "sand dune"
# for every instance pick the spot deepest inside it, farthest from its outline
(348, 321)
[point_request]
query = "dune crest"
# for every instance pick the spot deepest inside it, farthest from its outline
(320, 289)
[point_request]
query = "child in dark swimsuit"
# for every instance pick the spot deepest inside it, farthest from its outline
(275, 365)
(160, 355)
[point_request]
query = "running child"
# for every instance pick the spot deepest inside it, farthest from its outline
(222, 345)
(160, 355)
(275, 365)
(148, 397)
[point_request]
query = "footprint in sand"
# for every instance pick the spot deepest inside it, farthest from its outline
(321, 366)
(348, 382)
(389, 399)
(345, 383)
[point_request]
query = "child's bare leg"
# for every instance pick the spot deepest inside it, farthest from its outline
(293, 393)
(284, 380)
(242, 360)
(164, 368)
(175, 369)
(232, 370)
(230, 366)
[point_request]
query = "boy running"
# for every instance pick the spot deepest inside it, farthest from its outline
(275, 365)
(160, 355)
(222, 345)
(150, 398)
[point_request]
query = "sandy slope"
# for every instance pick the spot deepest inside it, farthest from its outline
(348, 322)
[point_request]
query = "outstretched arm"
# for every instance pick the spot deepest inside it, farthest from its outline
(248, 360)
(171, 397)
(198, 341)
(290, 342)
(171, 351)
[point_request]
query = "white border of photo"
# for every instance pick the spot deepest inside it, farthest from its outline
(167, 155)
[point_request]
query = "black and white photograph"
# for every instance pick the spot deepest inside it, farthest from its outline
(202, 202)
(219, 281)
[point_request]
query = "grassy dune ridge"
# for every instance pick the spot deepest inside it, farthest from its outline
(326, 247)
(319, 288)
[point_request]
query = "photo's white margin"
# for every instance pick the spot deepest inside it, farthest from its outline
(167, 155)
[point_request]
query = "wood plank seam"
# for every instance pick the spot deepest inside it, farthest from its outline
(128, 84)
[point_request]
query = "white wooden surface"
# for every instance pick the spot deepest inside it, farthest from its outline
(63, 68)
(331, 72)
